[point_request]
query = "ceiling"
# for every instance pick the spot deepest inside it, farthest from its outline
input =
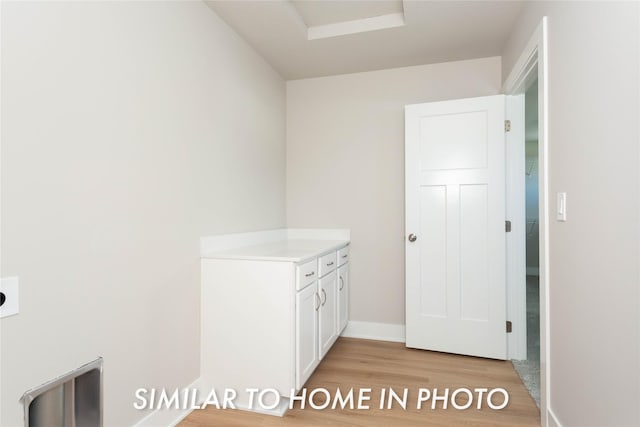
(312, 38)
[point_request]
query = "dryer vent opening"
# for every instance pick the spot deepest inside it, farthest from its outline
(72, 400)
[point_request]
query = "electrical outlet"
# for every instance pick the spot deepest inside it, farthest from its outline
(8, 296)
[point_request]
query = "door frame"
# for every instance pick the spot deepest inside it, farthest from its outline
(532, 64)
(515, 261)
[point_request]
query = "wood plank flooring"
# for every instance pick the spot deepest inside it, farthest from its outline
(383, 365)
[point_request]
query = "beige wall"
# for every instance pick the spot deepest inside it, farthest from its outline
(593, 156)
(129, 130)
(345, 165)
(120, 148)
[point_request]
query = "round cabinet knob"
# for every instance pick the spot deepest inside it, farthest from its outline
(412, 237)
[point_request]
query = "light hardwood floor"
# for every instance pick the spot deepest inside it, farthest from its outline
(377, 364)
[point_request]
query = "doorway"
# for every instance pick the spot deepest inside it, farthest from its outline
(529, 369)
(531, 66)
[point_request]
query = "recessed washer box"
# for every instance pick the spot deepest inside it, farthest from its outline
(71, 400)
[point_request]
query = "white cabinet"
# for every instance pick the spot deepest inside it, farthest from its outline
(307, 306)
(328, 322)
(343, 297)
(248, 324)
(269, 312)
(327, 263)
(343, 255)
(307, 273)
(316, 316)
(343, 288)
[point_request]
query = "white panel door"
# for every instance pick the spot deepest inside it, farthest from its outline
(455, 226)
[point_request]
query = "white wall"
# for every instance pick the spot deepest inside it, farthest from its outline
(129, 130)
(594, 98)
(345, 165)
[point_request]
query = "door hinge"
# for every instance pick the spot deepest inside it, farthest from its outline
(507, 125)
(507, 226)
(509, 327)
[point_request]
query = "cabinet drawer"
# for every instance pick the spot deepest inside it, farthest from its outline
(326, 264)
(343, 255)
(306, 274)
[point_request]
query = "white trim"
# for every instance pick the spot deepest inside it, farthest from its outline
(382, 22)
(278, 411)
(533, 271)
(375, 331)
(170, 417)
(516, 240)
(553, 420)
(522, 75)
(535, 58)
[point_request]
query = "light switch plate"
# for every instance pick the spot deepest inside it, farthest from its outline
(9, 287)
(561, 212)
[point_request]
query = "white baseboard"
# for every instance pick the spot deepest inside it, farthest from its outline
(552, 419)
(375, 331)
(278, 411)
(533, 271)
(169, 417)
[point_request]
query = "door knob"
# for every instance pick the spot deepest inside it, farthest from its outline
(412, 237)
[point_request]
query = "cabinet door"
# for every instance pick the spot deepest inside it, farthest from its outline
(343, 297)
(328, 322)
(307, 306)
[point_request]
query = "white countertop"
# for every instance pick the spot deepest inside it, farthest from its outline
(293, 250)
